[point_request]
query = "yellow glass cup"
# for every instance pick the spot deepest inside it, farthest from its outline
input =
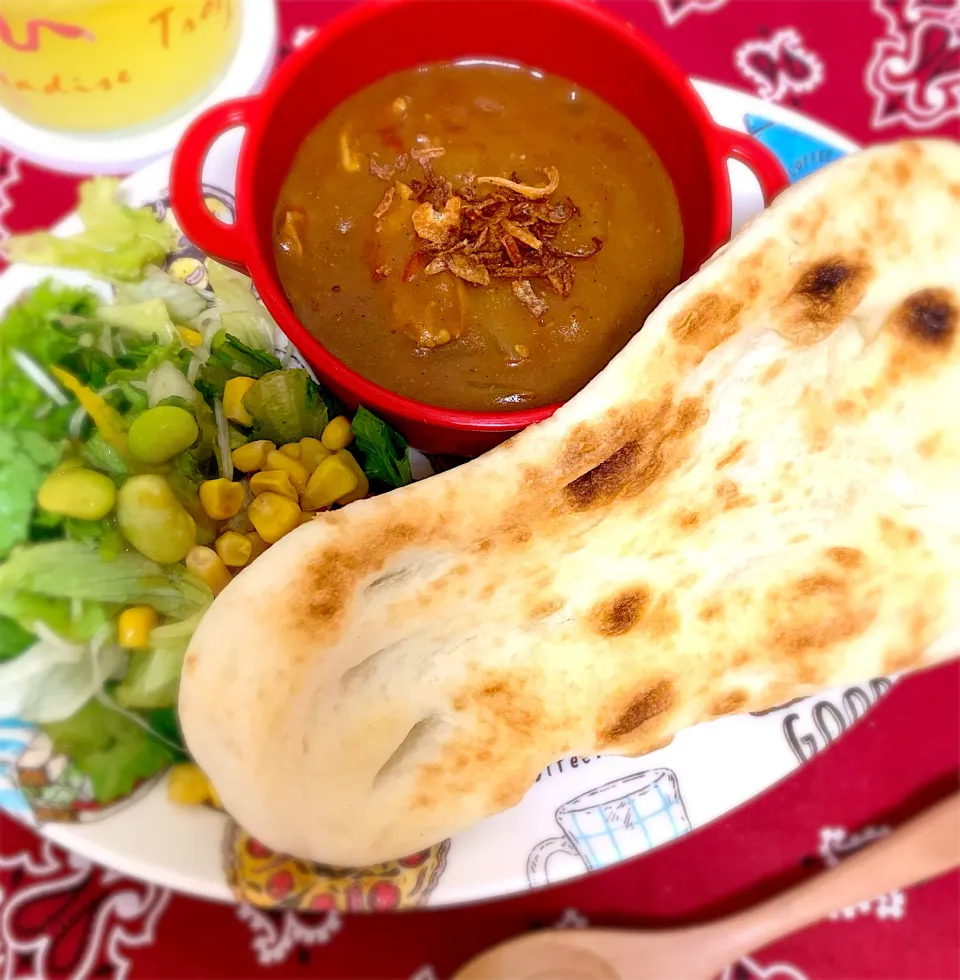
(99, 66)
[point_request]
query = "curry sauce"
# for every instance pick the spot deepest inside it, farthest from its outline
(476, 236)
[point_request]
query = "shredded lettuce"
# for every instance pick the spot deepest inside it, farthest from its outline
(111, 749)
(54, 677)
(148, 320)
(384, 452)
(167, 381)
(117, 242)
(183, 301)
(247, 329)
(241, 313)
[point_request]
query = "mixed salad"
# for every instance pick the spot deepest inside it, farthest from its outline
(152, 444)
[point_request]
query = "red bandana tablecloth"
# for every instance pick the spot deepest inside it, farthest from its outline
(876, 70)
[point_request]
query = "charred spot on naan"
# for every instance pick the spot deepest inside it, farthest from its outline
(805, 225)
(607, 479)
(730, 497)
(773, 371)
(823, 295)
(728, 703)
(897, 536)
(814, 613)
(544, 608)
(928, 318)
(620, 613)
(330, 578)
(634, 607)
(847, 557)
(732, 455)
(638, 463)
(923, 329)
(687, 519)
(639, 710)
(505, 715)
(706, 323)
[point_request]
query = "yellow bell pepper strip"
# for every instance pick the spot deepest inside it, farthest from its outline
(108, 420)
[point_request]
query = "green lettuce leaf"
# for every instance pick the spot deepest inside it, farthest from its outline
(30, 331)
(114, 751)
(241, 313)
(25, 459)
(100, 455)
(153, 677)
(72, 570)
(148, 320)
(14, 639)
(383, 451)
(117, 242)
(166, 725)
(88, 365)
(286, 406)
(230, 358)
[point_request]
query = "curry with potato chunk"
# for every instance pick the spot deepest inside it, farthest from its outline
(476, 236)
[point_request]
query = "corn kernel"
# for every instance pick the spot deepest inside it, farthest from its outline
(298, 473)
(291, 449)
(234, 549)
(221, 499)
(273, 481)
(257, 545)
(337, 434)
(134, 626)
(206, 564)
(191, 338)
(233, 407)
(312, 452)
(363, 484)
(274, 516)
(188, 785)
(331, 480)
(252, 456)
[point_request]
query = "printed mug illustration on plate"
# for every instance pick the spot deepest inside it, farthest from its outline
(618, 820)
(40, 785)
(186, 262)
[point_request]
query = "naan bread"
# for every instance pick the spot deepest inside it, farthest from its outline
(758, 498)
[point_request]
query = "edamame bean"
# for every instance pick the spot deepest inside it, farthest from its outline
(153, 520)
(78, 492)
(162, 432)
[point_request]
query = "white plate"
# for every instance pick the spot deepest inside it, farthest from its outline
(582, 813)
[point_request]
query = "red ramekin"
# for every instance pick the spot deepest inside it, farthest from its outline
(571, 38)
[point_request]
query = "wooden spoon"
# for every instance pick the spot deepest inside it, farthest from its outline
(925, 846)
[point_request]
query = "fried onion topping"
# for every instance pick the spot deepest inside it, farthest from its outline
(478, 236)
